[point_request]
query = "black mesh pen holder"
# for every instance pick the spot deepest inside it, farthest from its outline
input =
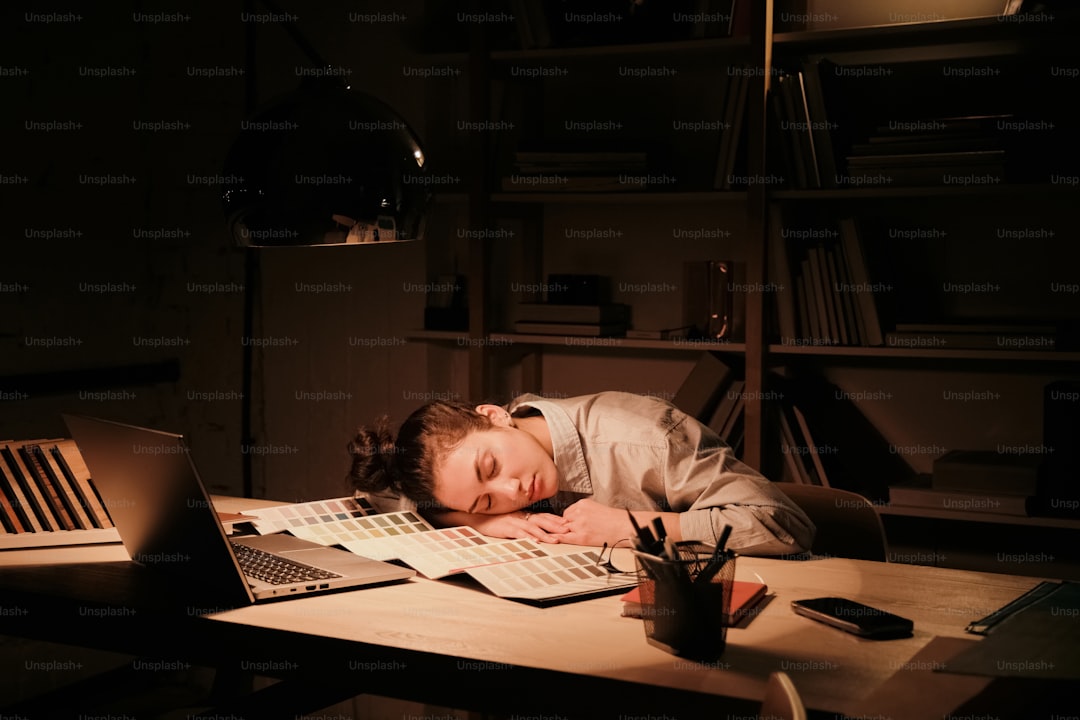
(684, 602)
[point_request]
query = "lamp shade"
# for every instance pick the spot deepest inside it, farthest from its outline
(326, 165)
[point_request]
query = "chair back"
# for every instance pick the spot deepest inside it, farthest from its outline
(848, 525)
(782, 700)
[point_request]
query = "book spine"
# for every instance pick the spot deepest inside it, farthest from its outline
(55, 497)
(19, 503)
(69, 498)
(863, 289)
(36, 506)
(68, 458)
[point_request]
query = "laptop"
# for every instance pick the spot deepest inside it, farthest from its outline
(148, 482)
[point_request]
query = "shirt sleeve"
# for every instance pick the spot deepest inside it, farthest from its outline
(711, 488)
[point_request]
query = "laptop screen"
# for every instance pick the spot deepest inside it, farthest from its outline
(149, 485)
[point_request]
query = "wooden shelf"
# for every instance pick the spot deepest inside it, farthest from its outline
(503, 340)
(925, 354)
(1033, 190)
(983, 517)
(907, 34)
(628, 198)
(687, 47)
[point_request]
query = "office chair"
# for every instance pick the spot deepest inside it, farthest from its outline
(847, 523)
(781, 701)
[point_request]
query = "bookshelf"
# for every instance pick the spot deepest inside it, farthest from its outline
(1028, 192)
(952, 256)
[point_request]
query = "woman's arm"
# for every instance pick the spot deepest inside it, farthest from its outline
(544, 527)
(713, 489)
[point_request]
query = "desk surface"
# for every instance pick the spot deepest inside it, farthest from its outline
(387, 634)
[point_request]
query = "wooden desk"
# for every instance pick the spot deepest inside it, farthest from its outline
(576, 660)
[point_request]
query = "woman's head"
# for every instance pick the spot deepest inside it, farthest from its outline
(454, 456)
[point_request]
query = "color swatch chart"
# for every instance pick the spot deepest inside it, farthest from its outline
(446, 551)
(291, 517)
(551, 576)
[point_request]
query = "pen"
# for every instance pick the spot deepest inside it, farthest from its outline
(645, 542)
(719, 557)
(724, 535)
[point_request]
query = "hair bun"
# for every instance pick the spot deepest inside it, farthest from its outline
(374, 453)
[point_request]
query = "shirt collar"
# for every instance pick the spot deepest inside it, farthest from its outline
(565, 442)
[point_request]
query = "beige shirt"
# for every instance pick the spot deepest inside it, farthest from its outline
(642, 453)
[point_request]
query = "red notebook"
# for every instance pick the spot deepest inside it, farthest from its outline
(744, 596)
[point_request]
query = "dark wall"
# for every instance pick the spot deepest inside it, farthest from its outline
(121, 293)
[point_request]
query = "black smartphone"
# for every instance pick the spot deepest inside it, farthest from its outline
(854, 617)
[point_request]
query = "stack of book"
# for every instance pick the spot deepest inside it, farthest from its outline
(713, 394)
(728, 158)
(825, 291)
(825, 438)
(46, 497)
(973, 336)
(931, 151)
(599, 320)
(578, 169)
(801, 455)
(801, 129)
(543, 23)
(976, 481)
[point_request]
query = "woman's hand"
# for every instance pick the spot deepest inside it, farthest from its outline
(591, 523)
(543, 527)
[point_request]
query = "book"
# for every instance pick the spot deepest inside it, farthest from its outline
(745, 595)
(803, 307)
(789, 448)
(530, 19)
(726, 407)
(820, 129)
(828, 263)
(713, 18)
(780, 133)
(812, 329)
(847, 441)
(700, 392)
(559, 313)
(731, 432)
(972, 340)
(822, 296)
(781, 276)
(843, 291)
(1042, 628)
(983, 625)
(734, 112)
(840, 14)
(794, 129)
(870, 329)
(818, 475)
(921, 495)
(676, 333)
(614, 329)
(965, 327)
(519, 570)
(987, 470)
(555, 182)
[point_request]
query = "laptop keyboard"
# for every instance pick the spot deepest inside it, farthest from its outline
(275, 569)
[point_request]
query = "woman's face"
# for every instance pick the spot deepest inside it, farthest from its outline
(495, 471)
